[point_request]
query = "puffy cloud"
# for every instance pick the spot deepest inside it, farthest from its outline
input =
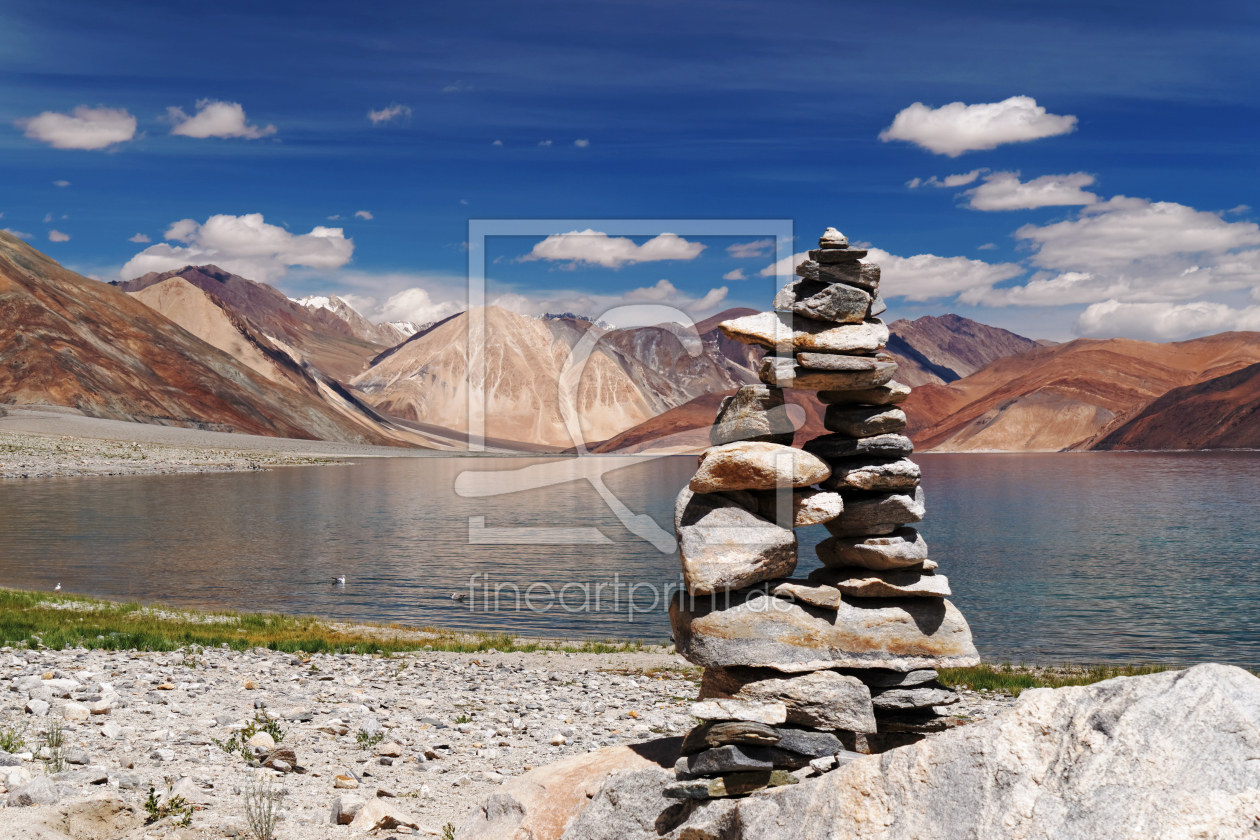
(19, 234)
(61, 183)
(960, 180)
(140, 237)
(1241, 208)
(592, 247)
(1164, 321)
(927, 276)
(82, 128)
(415, 305)
(215, 119)
(244, 245)
(1123, 230)
(956, 128)
(744, 250)
(737, 274)
(363, 214)
(390, 114)
(785, 266)
(581, 144)
(1004, 191)
(58, 236)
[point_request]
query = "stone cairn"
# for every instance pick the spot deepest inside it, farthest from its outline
(810, 672)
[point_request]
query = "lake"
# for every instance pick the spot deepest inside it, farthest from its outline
(1122, 557)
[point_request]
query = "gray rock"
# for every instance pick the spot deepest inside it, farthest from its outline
(893, 393)
(845, 361)
(77, 757)
(831, 447)
(739, 709)
(838, 303)
(724, 546)
(894, 583)
(864, 421)
(877, 513)
(783, 372)
(831, 256)
(808, 507)
(877, 678)
(721, 733)
(878, 307)
(902, 548)
(880, 475)
(756, 466)
(630, 805)
(732, 784)
(807, 743)
(863, 275)
(38, 708)
(807, 592)
(731, 758)
(38, 791)
(761, 631)
(7, 760)
(753, 413)
(833, 238)
(786, 333)
(918, 697)
(821, 699)
(345, 808)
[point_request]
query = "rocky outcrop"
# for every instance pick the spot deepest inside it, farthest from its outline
(1168, 756)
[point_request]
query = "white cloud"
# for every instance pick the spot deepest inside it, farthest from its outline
(497, 143)
(58, 236)
(591, 247)
(1004, 191)
(389, 114)
(927, 276)
(737, 274)
(363, 214)
(744, 250)
(1123, 230)
(785, 266)
(1241, 208)
(61, 183)
(581, 144)
(47, 218)
(82, 128)
(139, 237)
(334, 217)
(215, 119)
(544, 142)
(1164, 321)
(415, 305)
(956, 128)
(19, 234)
(960, 180)
(244, 245)
(988, 246)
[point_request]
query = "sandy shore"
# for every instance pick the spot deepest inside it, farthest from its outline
(54, 441)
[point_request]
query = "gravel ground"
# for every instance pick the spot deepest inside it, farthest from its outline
(461, 723)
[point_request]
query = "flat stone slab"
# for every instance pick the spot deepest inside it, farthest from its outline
(876, 513)
(895, 583)
(902, 548)
(880, 475)
(892, 393)
(783, 372)
(819, 699)
(730, 758)
(836, 446)
(753, 413)
(734, 784)
(762, 631)
(723, 545)
(863, 275)
(756, 466)
(808, 507)
(807, 591)
(828, 256)
(756, 711)
(786, 333)
(864, 421)
(838, 303)
(719, 733)
(878, 307)
(833, 238)
(845, 362)
(919, 697)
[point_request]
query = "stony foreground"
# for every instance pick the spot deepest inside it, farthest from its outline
(462, 725)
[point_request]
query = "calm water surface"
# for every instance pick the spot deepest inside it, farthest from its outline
(1090, 556)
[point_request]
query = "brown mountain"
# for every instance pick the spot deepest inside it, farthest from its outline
(1068, 396)
(329, 344)
(943, 349)
(632, 376)
(1221, 413)
(70, 341)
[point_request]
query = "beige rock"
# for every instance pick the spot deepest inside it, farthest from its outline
(820, 699)
(788, 334)
(809, 507)
(896, 583)
(753, 413)
(902, 548)
(880, 475)
(379, 815)
(893, 393)
(784, 372)
(389, 749)
(542, 803)
(724, 546)
(862, 421)
(756, 466)
(343, 782)
(75, 711)
(762, 631)
(835, 446)
(757, 711)
(345, 808)
(262, 741)
(878, 513)
(814, 593)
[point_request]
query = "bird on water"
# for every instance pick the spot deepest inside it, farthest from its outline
(339, 580)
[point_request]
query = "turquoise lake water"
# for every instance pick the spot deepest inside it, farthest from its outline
(1122, 557)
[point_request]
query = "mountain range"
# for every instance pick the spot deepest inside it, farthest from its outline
(205, 348)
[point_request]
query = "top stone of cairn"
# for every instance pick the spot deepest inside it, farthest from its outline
(833, 238)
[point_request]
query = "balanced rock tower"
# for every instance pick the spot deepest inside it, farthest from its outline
(812, 670)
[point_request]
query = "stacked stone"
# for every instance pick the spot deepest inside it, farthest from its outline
(810, 671)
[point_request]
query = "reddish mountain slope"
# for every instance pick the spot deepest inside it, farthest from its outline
(1221, 413)
(67, 340)
(938, 350)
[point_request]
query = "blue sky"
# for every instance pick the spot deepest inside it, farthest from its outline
(702, 110)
